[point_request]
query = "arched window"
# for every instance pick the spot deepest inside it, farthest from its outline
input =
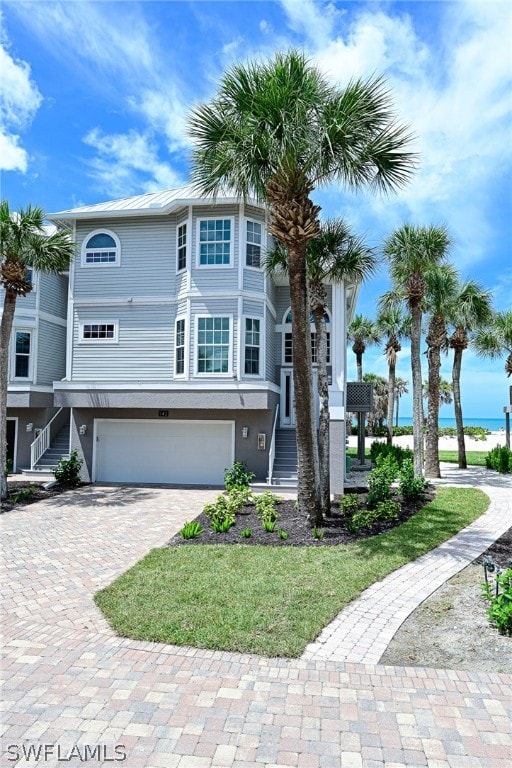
(287, 338)
(101, 247)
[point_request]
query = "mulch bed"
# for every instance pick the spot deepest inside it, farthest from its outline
(501, 550)
(298, 530)
(39, 493)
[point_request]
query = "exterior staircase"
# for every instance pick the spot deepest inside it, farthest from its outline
(59, 449)
(285, 461)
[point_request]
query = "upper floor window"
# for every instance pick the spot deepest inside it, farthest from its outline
(288, 345)
(101, 247)
(182, 247)
(99, 332)
(215, 242)
(179, 347)
(252, 346)
(253, 244)
(213, 344)
(22, 345)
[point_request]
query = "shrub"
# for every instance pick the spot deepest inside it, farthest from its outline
(67, 471)
(24, 494)
(221, 514)
(282, 534)
(269, 525)
(411, 488)
(396, 451)
(246, 533)
(318, 533)
(500, 459)
(349, 504)
(266, 506)
(387, 510)
(191, 530)
(238, 498)
(500, 599)
(380, 480)
(237, 475)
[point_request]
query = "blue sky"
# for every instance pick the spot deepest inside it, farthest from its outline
(95, 97)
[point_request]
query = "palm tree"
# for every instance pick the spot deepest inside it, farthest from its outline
(380, 400)
(471, 309)
(401, 388)
(442, 282)
(395, 326)
(24, 244)
(334, 256)
(411, 252)
(495, 339)
(361, 333)
(445, 391)
(276, 131)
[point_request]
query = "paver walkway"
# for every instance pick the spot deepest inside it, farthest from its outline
(364, 629)
(74, 690)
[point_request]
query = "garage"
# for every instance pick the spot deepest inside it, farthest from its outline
(174, 452)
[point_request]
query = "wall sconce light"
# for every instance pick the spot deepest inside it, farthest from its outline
(83, 429)
(245, 431)
(30, 427)
(262, 440)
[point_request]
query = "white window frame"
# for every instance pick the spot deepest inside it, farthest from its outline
(100, 264)
(101, 342)
(185, 223)
(258, 375)
(30, 355)
(287, 328)
(231, 243)
(246, 241)
(185, 347)
(229, 372)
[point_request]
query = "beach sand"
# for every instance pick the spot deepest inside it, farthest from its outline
(445, 443)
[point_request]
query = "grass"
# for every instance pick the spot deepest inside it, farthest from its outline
(475, 458)
(266, 600)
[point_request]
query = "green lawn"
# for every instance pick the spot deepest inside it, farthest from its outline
(269, 600)
(472, 457)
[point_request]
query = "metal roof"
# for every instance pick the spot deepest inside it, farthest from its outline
(152, 203)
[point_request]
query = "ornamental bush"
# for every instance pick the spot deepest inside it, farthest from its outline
(500, 459)
(67, 471)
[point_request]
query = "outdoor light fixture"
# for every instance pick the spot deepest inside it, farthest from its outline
(83, 429)
(245, 431)
(30, 427)
(262, 439)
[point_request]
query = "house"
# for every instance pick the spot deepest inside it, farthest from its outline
(179, 356)
(37, 357)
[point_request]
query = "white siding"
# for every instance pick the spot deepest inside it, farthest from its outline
(144, 350)
(51, 352)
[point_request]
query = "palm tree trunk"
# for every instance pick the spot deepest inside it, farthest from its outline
(432, 441)
(5, 336)
(323, 394)
(307, 446)
(359, 364)
(457, 404)
(417, 394)
(397, 407)
(391, 403)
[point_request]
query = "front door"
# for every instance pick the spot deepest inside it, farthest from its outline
(11, 443)
(287, 406)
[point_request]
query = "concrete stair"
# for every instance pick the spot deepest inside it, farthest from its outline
(59, 449)
(285, 461)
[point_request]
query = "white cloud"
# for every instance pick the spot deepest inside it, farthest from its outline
(19, 101)
(127, 163)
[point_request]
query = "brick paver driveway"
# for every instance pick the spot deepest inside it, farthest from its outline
(75, 694)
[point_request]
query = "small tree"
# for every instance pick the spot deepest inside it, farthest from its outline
(24, 244)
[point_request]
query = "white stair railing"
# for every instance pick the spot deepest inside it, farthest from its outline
(42, 442)
(272, 449)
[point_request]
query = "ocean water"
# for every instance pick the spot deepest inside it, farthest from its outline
(493, 425)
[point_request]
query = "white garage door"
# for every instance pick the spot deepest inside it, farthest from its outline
(145, 451)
